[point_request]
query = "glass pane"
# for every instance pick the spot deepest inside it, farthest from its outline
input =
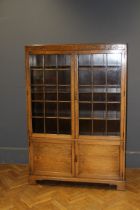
(99, 110)
(50, 61)
(64, 96)
(99, 127)
(64, 109)
(51, 125)
(64, 126)
(113, 97)
(100, 89)
(84, 60)
(99, 96)
(50, 89)
(64, 93)
(37, 93)
(51, 96)
(85, 127)
(113, 111)
(114, 59)
(64, 77)
(85, 89)
(50, 77)
(51, 92)
(85, 109)
(85, 96)
(99, 60)
(85, 77)
(36, 61)
(63, 89)
(114, 77)
(63, 61)
(113, 89)
(36, 77)
(50, 109)
(99, 76)
(113, 127)
(38, 125)
(37, 109)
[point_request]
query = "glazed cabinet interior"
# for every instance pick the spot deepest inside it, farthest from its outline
(76, 112)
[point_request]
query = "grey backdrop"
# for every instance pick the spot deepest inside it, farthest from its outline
(62, 21)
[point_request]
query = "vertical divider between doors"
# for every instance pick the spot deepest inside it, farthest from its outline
(73, 95)
(73, 111)
(76, 113)
(76, 98)
(44, 104)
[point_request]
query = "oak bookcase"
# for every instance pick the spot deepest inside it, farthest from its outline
(76, 112)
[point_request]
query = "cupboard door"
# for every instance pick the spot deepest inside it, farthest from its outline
(99, 86)
(51, 93)
(52, 158)
(97, 160)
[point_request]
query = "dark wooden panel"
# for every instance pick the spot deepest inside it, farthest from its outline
(98, 161)
(52, 158)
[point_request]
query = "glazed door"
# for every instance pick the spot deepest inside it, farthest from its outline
(99, 91)
(51, 96)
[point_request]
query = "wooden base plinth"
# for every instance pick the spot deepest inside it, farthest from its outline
(120, 185)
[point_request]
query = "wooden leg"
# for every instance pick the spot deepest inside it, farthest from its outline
(121, 186)
(32, 181)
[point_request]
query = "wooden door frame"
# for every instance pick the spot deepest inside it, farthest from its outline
(32, 51)
(123, 96)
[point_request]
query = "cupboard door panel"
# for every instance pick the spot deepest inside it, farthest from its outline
(53, 158)
(98, 161)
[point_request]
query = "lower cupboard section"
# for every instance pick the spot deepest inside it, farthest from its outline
(98, 161)
(81, 159)
(52, 158)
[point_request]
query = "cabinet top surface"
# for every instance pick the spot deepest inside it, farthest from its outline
(74, 47)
